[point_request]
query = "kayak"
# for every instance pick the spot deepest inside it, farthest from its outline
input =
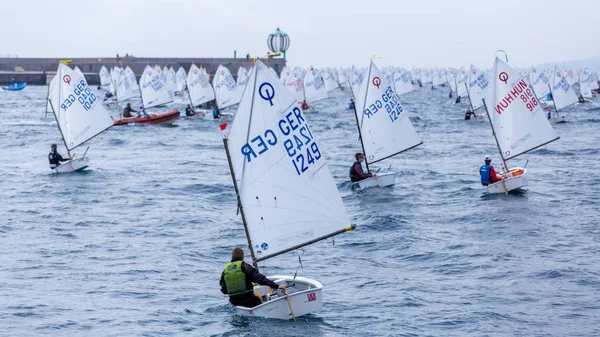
(163, 118)
(17, 87)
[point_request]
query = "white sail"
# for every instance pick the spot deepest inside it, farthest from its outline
(331, 83)
(124, 87)
(451, 78)
(79, 72)
(242, 77)
(585, 87)
(355, 80)
(171, 84)
(181, 79)
(426, 76)
(104, 76)
(286, 188)
(342, 77)
(562, 92)
(285, 75)
(227, 92)
(461, 84)
(314, 87)
(133, 85)
(199, 87)
(383, 121)
(519, 122)
(477, 87)
(78, 111)
(539, 81)
(154, 92)
(402, 83)
(438, 78)
(295, 84)
(571, 76)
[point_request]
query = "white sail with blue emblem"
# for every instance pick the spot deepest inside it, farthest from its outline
(519, 123)
(135, 88)
(124, 86)
(385, 127)
(539, 81)
(355, 79)
(461, 83)
(79, 113)
(181, 79)
(477, 85)
(585, 83)
(285, 186)
(331, 82)
(314, 87)
(154, 92)
(402, 82)
(199, 87)
(562, 92)
(227, 92)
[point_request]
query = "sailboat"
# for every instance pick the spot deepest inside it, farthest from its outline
(154, 94)
(104, 76)
(562, 95)
(384, 129)
(227, 91)
(314, 88)
(199, 89)
(286, 195)
(402, 83)
(79, 114)
(476, 87)
(518, 123)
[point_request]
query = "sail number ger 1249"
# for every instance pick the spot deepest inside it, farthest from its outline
(294, 134)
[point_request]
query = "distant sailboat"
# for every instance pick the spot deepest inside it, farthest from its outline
(285, 192)
(79, 114)
(476, 86)
(383, 125)
(227, 92)
(562, 95)
(314, 88)
(518, 123)
(104, 76)
(199, 88)
(402, 83)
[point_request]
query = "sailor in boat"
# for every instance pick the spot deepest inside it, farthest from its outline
(189, 111)
(457, 100)
(469, 114)
(487, 173)
(304, 105)
(128, 110)
(356, 171)
(54, 158)
(108, 94)
(450, 94)
(351, 104)
(549, 114)
(12, 83)
(237, 278)
(143, 112)
(216, 113)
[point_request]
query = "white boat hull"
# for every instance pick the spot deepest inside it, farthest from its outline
(74, 165)
(511, 182)
(476, 118)
(381, 180)
(305, 297)
(557, 119)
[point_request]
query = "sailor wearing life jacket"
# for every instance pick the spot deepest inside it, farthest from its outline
(54, 158)
(356, 171)
(487, 173)
(237, 278)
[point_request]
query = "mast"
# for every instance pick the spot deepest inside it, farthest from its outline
(363, 109)
(505, 167)
(469, 95)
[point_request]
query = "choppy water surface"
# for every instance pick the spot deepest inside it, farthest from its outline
(135, 246)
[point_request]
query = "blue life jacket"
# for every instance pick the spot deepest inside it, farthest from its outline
(215, 113)
(484, 172)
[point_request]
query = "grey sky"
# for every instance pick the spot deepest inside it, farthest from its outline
(323, 33)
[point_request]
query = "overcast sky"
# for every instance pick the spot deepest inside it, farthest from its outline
(323, 33)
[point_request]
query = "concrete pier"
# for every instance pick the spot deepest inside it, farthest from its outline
(39, 71)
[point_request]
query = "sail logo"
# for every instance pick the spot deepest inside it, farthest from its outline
(376, 81)
(67, 79)
(266, 94)
(503, 77)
